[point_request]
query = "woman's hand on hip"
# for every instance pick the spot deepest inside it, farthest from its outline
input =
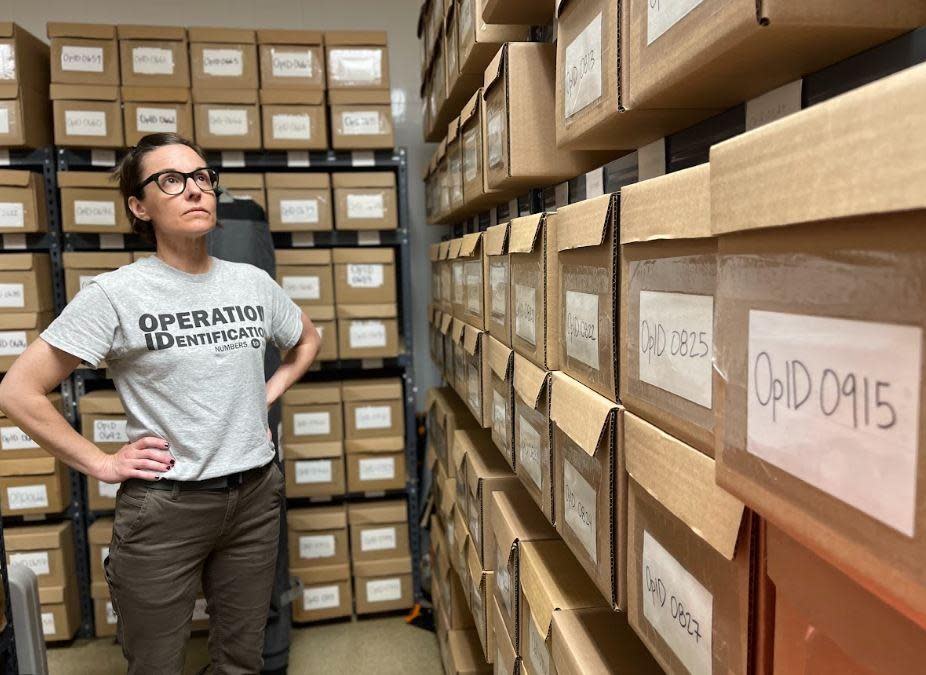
(147, 458)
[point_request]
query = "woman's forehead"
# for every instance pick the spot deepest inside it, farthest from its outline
(174, 156)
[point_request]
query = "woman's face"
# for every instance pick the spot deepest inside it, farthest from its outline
(190, 213)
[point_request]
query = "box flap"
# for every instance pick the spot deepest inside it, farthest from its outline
(296, 180)
(318, 392)
(90, 31)
(156, 94)
(324, 574)
(33, 466)
(682, 480)
(355, 37)
(454, 251)
(376, 513)
(581, 413)
(318, 518)
(583, 224)
(674, 206)
(364, 255)
(515, 518)
(292, 97)
(242, 181)
(453, 131)
(323, 450)
(384, 389)
(475, 571)
(367, 445)
(374, 179)
(496, 240)
(229, 96)
(457, 330)
(445, 322)
(135, 32)
(441, 151)
(359, 97)
(495, 70)
(470, 109)
(382, 568)
(36, 537)
(295, 256)
(100, 179)
(444, 250)
(434, 252)
(471, 339)
(83, 92)
(104, 401)
(14, 178)
(469, 245)
(96, 259)
(529, 380)
(289, 37)
(227, 35)
(524, 231)
(101, 532)
(384, 311)
(499, 358)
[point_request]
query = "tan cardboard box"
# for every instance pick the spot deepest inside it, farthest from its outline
(365, 201)
(87, 116)
(361, 119)
(16, 443)
(519, 12)
(373, 408)
(60, 612)
(497, 308)
(294, 119)
(103, 419)
(434, 258)
(100, 535)
(223, 58)
(459, 368)
(81, 267)
(27, 282)
(687, 540)
(597, 640)
(534, 289)
(27, 63)
(299, 202)
(446, 414)
(226, 119)
(460, 84)
(383, 585)
(479, 40)
(590, 497)
(83, 53)
(105, 621)
(475, 374)
(457, 295)
(154, 56)
(306, 276)
(480, 593)
(463, 442)
(463, 655)
(471, 258)
(312, 413)
(317, 537)
(375, 464)
(357, 59)
(34, 486)
(668, 282)
(444, 213)
(90, 202)
(324, 322)
(587, 267)
(314, 469)
(326, 594)
(21, 103)
(47, 550)
(378, 530)
(454, 144)
(789, 193)
(245, 185)
(436, 94)
(506, 659)
(18, 331)
(291, 59)
(436, 340)
(461, 541)
(22, 201)
(452, 598)
(148, 110)
(476, 193)
(533, 432)
(501, 376)
(368, 331)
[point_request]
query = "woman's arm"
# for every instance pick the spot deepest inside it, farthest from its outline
(295, 362)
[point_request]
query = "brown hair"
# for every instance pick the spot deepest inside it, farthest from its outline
(128, 173)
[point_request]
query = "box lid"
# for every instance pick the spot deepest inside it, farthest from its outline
(100, 179)
(495, 70)
(96, 259)
(524, 233)
(220, 95)
(33, 466)
(372, 390)
(445, 322)
(471, 339)
(374, 179)
(456, 330)
(296, 180)
(83, 92)
(363, 255)
(381, 568)
(227, 35)
(24, 320)
(156, 94)
(582, 414)
(444, 250)
(317, 392)
(496, 239)
(324, 574)
(135, 32)
(359, 97)
(14, 178)
(36, 537)
(441, 152)
(355, 37)
(374, 445)
(598, 640)
(322, 450)
(584, 224)
(289, 37)
(101, 532)
(434, 252)
(470, 109)
(242, 181)
(292, 97)
(529, 380)
(295, 256)
(19, 261)
(454, 250)
(469, 245)
(317, 518)
(93, 31)
(516, 518)
(374, 513)
(381, 311)
(674, 206)
(99, 590)
(104, 401)
(8, 29)
(499, 358)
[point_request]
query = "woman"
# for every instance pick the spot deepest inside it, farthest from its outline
(183, 335)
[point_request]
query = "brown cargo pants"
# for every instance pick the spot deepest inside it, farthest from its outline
(166, 543)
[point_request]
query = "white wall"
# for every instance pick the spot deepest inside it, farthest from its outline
(398, 17)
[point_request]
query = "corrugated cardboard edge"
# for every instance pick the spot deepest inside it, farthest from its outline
(581, 413)
(674, 206)
(499, 358)
(469, 245)
(444, 250)
(496, 240)
(583, 224)
(470, 109)
(524, 233)
(529, 380)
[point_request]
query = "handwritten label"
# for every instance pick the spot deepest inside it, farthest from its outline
(499, 417)
(459, 284)
(373, 417)
(82, 59)
(302, 287)
(498, 290)
(361, 123)
(475, 522)
(379, 539)
(321, 597)
(37, 561)
(223, 62)
(774, 105)
(313, 471)
(503, 577)
(474, 390)
(525, 313)
(376, 468)
(12, 295)
(12, 342)
(663, 14)
(384, 590)
(529, 447)
(365, 275)
(472, 272)
(84, 123)
(228, 122)
(27, 497)
(12, 214)
(110, 431)
(48, 624)
(312, 423)
(299, 210)
(366, 206)
(836, 403)
(295, 127)
(87, 212)
(676, 344)
(355, 66)
(367, 334)
(152, 61)
(470, 154)
(582, 69)
(580, 508)
(14, 438)
(292, 63)
(313, 546)
(7, 62)
(495, 126)
(582, 327)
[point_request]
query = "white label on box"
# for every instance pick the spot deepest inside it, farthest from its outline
(494, 140)
(377, 468)
(365, 276)
(299, 210)
(663, 14)
(110, 431)
(156, 120)
(292, 63)
(228, 122)
(458, 285)
(5, 123)
(14, 438)
(582, 327)
(82, 59)
(111, 617)
(48, 623)
(582, 69)
(475, 530)
(473, 274)
(199, 610)
(373, 417)
(316, 546)
(367, 334)
(85, 280)
(360, 123)
(313, 471)
(366, 206)
(474, 390)
(499, 415)
(470, 154)
(12, 295)
(223, 62)
(677, 606)
(84, 123)
(312, 423)
(12, 214)
(529, 450)
(836, 403)
(380, 539)
(356, 66)
(774, 105)
(321, 597)
(537, 650)
(498, 289)
(525, 313)
(152, 61)
(7, 62)
(37, 561)
(27, 497)
(107, 490)
(502, 577)
(94, 212)
(12, 342)
(286, 126)
(580, 507)
(302, 288)
(384, 590)
(676, 344)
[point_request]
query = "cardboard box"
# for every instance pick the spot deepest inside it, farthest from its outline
(245, 186)
(60, 612)
(90, 202)
(447, 339)
(299, 202)
(435, 340)
(368, 331)
(294, 119)
(506, 659)
(497, 309)
(102, 421)
(533, 432)
(361, 119)
(226, 119)
(434, 258)
(486, 473)
(454, 144)
(375, 464)
(291, 59)
(357, 60)
(459, 535)
(317, 537)
(476, 193)
(383, 585)
(148, 110)
(100, 535)
(83, 53)
(479, 40)
(378, 530)
(312, 413)
(34, 486)
(154, 56)
(22, 202)
(519, 122)
(47, 550)
(18, 331)
(365, 201)
(87, 116)
(373, 408)
(857, 503)
(534, 289)
(463, 655)
(436, 94)
(105, 621)
(590, 497)
(668, 282)
(452, 598)
(27, 58)
(521, 12)
(16, 443)
(475, 373)
(364, 276)
(81, 267)
(443, 183)
(597, 641)
(587, 267)
(480, 593)
(306, 276)
(27, 282)
(21, 103)
(501, 375)
(446, 413)
(690, 540)
(327, 328)
(459, 369)
(326, 594)
(314, 469)
(471, 259)
(224, 58)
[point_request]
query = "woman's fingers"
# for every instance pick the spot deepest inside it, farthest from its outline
(144, 475)
(150, 465)
(159, 456)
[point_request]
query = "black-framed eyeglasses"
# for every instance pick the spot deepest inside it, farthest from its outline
(173, 182)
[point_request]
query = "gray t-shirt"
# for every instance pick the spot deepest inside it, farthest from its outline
(186, 353)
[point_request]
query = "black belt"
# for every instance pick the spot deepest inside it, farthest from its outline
(217, 483)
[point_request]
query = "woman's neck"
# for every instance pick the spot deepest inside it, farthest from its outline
(190, 256)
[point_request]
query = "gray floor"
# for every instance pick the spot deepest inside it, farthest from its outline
(381, 646)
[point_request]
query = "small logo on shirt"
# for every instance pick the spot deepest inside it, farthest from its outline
(255, 343)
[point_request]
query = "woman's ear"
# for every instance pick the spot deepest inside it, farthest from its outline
(138, 209)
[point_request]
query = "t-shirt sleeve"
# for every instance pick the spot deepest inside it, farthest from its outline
(86, 326)
(285, 316)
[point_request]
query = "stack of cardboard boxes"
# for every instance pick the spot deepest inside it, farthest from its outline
(25, 110)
